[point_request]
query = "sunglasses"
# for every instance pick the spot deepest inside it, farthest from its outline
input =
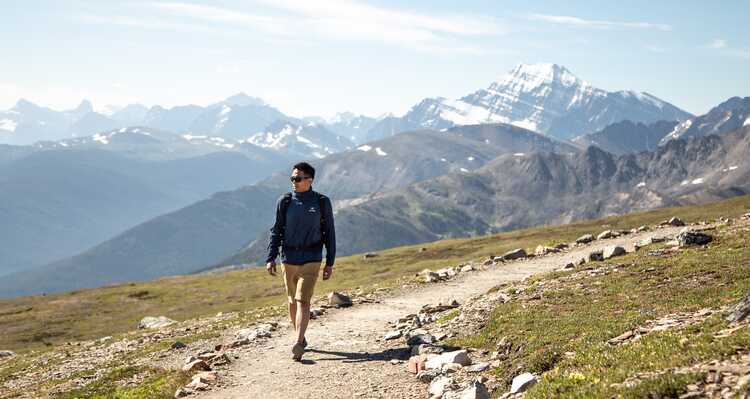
(298, 179)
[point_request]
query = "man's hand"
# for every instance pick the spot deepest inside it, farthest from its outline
(327, 272)
(271, 268)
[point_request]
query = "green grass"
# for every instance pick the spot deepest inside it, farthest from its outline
(40, 322)
(157, 384)
(579, 315)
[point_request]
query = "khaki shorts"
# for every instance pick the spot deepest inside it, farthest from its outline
(299, 280)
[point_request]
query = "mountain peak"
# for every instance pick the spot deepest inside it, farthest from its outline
(24, 103)
(534, 75)
(243, 99)
(84, 107)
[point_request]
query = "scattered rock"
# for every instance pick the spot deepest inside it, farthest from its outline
(595, 256)
(417, 363)
(612, 251)
(369, 255)
(420, 339)
(740, 310)
(155, 322)
(427, 375)
(425, 349)
(675, 221)
(439, 385)
(461, 357)
(606, 234)
(451, 367)
(196, 365)
(476, 390)
(393, 335)
(339, 299)
(182, 392)
(585, 239)
(178, 345)
(542, 250)
(522, 382)
(689, 237)
(206, 377)
(478, 368)
(428, 276)
(467, 268)
(5, 353)
(517, 253)
(316, 312)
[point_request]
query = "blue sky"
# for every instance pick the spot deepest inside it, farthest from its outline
(318, 57)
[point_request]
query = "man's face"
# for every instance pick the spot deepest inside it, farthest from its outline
(302, 185)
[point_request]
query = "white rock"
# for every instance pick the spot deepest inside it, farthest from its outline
(522, 382)
(476, 390)
(393, 335)
(612, 251)
(155, 322)
(438, 385)
(461, 357)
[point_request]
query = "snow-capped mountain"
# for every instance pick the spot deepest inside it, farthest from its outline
(306, 140)
(546, 98)
(725, 117)
(352, 126)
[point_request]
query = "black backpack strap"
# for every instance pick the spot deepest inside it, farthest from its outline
(284, 206)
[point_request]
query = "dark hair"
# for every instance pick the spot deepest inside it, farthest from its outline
(307, 168)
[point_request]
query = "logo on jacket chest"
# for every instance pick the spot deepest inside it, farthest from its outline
(312, 209)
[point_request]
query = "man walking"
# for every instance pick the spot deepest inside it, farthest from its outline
(304, 224)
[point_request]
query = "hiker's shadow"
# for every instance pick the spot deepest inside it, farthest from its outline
(357, 357)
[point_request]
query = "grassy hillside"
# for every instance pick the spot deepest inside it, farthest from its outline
(39, 322)
(560, 326)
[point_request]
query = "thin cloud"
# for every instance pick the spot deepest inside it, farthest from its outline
(593, 23)
(718, 43)
(347, 20)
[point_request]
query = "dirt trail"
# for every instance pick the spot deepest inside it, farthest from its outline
(346, 359)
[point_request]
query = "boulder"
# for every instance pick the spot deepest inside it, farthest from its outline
(613, 251)
(467, 268)
(475, 390)
(339, 299)
(689, 237)
(522, 382)
(542, 250)
(155, 322)
(428, 276)
(425, 349)
(585, 239)
(460, 356)
(517, 253)
(393, 335)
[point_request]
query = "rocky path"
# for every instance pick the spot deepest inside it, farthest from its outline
(347, 356)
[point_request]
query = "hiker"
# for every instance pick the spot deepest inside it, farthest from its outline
(304, 224)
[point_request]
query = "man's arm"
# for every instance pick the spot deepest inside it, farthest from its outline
(277, 234)
(329, 233)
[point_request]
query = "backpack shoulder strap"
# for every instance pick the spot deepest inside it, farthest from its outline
(285, 201)
(321, 197)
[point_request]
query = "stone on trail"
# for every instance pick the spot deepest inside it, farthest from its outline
(476, 390)
(585, 239)
(393, 335)
(420, 339)
(416, 363)
(196, 365)
(339, 299)
(606, 234)
(460, 356)
(5, 353)
(612, 251)
(675, 221)
(155, 322)
(522, 382)
(427, 375)
(517, 253)
(478, 368)
(439, 385)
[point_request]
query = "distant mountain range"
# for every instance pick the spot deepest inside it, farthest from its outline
(545, 98)
(626, 137)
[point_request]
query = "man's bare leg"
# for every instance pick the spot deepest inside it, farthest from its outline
(293, 314)
(303, 318)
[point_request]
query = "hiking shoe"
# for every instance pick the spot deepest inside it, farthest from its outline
(297, 351)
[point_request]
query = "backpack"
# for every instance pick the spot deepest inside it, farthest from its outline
(288, 200)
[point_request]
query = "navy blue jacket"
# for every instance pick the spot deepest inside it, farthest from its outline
(302, 237)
